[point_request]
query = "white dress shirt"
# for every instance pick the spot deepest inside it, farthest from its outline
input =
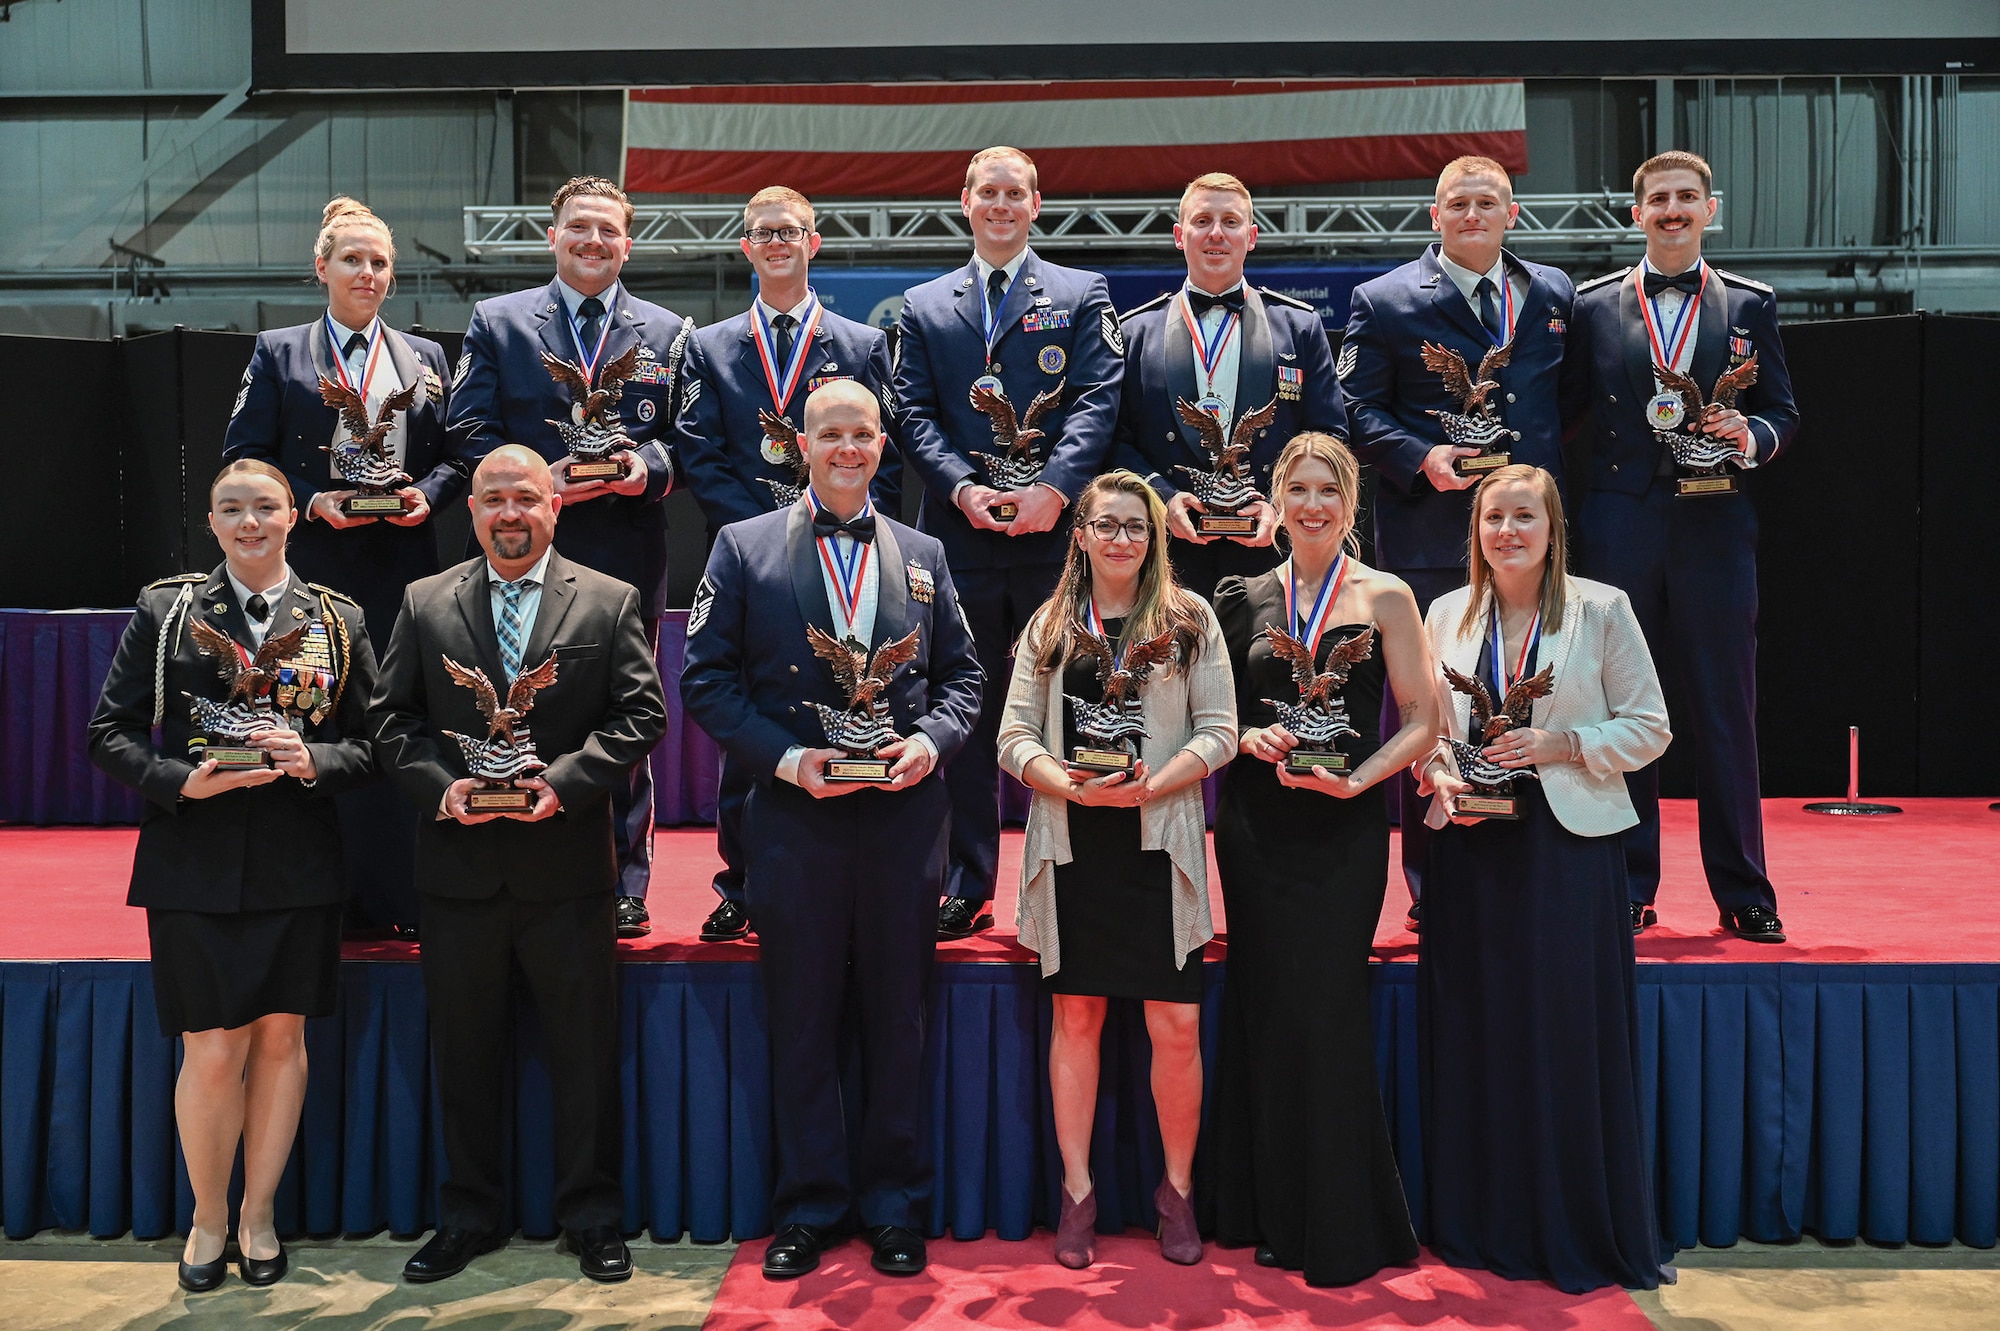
(258, 631)
(531, 603)
(1223, 384)
(1467, 283)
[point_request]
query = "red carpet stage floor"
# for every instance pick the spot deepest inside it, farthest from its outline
(1897, 889)
(1005, 1286)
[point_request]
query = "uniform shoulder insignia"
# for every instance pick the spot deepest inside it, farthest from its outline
(1737, 280)
(324, 590)
(1280, 298)
(176, 580)
(1595, 282)
(1152, 304)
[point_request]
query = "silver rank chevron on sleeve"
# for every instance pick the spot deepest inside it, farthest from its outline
(464, 368)
(1114, 336)
(1350, 356)
(704, 601)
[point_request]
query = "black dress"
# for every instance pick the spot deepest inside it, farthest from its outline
(1303, 1160)
(1529, 1037)
(1114, 901)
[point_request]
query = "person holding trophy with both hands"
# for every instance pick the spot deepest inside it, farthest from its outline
(1527, 1010)
(1120, 703)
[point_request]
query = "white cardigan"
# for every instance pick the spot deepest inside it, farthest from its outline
(1605, 689)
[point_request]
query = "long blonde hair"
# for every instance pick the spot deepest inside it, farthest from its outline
(1313, 446)
(1555, 574)
(1160, 607)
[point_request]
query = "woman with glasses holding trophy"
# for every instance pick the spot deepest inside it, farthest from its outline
(1120, 703)
(1305, 1170)
(258, 682)
(1528, 1025)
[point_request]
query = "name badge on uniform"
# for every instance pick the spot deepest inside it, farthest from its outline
(922, 588)
(1291, 382)
(1666, 411)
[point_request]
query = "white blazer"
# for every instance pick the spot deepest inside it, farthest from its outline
(1605, 689)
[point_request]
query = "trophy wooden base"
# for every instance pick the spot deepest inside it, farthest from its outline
(1299, 761)
(611, 469)
(499, 799)
(1689, 486)
(1224, 524)
(1100, 761)
(374, 506)
(1004, 512)
(1488, 806)
(1479, 466)
(874, 770)
(233, 758)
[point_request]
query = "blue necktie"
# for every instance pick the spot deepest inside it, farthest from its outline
(510, 626)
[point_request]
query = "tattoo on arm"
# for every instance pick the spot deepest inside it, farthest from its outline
(1408, 710)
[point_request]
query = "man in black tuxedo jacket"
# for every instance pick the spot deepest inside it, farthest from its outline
(848, 880)
(533, 888)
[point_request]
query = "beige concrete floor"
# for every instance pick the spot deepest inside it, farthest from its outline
(60, 1282)
(67, 1283)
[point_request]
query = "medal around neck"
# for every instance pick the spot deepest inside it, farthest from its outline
(593, 432)
(1492, 793)
(1116, 726)
(781, 447)
(1319, 719)
(1477, 423)
(220, 730)
(1226, 488)
(1676, 417)
(864, 728)
(363, 461)
(508, 751)
(1021, 442)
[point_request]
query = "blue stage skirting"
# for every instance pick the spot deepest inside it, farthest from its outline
(1854, 1101)
(53, 663)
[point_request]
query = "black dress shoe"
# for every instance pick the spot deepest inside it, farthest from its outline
(1643, 916)
(450, 1250)
(633, 921)
(1755, 924)
(1414, 920)
(898, 1251)
(601, 1253)
(1264, 1256)
(960, 917)
(264, 1270)
(794, 1251)
(725, 924)
(201, 1277)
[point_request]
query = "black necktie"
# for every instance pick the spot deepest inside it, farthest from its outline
(353, 347)
(996, 291)
(1489, 309)
(592, 314)
(1201, 302)
(257, 608)
(861, 528)
(1690, 282)
(782, 326)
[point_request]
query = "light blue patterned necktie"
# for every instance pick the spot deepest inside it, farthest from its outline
(510, 626)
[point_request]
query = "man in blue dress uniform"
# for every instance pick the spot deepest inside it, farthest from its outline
(1688, 561)
(502, 393)
(1229, 348)
(843, 877)
(1008, 319)
(1467, 294)
(767, 359)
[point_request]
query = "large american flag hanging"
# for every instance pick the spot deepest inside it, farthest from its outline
(912, 140)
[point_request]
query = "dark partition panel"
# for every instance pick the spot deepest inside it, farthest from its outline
(211, 373)
(61, 505)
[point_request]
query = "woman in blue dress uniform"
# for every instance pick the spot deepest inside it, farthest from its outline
(281, 418)
(1527, 1018)
(239, 871)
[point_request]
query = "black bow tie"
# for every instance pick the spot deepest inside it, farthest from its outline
(861, 528)
(1201, 302)
(1689, 282)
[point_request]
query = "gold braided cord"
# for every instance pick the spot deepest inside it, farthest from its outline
(340, 633)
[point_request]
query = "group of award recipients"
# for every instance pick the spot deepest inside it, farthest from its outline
(1135, 562)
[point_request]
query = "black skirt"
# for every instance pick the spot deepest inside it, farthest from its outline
(1115, 914)
(221, 971)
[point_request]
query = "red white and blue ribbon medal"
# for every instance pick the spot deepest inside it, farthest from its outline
(375, 340)
(846, 571)
(1208, 350)
(1095, 623)
(1670, 345)
(1529, 641)
(1308, 628)
(784, 379)
(587, 360)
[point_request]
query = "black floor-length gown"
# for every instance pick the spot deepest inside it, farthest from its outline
(1528, 1034)
(1303, 1160)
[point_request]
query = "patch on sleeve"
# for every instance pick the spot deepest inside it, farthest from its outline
(1350, 354)
(242, 396)
(704, 601)
(464, 368)
(1114, 336)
